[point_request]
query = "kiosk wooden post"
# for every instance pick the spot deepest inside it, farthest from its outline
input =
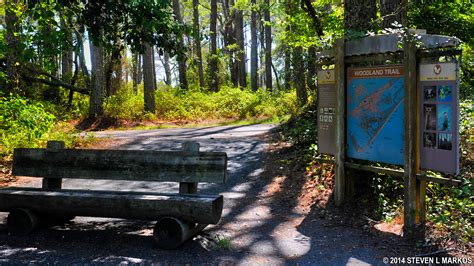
(340, 71)
(414, 190)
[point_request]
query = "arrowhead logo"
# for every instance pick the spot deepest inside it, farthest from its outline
(437, 69)
(328, 75)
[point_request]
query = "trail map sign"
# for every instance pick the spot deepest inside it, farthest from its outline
(439, 139)
(375, 114)
(326, 112)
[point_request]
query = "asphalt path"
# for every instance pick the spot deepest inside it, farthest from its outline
(249, 233)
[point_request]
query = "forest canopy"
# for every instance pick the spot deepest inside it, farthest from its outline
(53, 48)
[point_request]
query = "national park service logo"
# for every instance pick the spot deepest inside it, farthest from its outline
(328, 75)
(437, 69)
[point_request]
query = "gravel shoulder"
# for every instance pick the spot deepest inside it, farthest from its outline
(256, 227)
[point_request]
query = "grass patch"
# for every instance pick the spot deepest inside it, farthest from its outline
(224, 243)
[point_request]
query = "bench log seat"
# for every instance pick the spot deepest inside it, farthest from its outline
(179, 215)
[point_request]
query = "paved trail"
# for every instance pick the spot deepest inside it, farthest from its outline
(259, 234)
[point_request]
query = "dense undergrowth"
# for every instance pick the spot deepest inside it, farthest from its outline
(30, 123)
(198, 105)
(449, 209)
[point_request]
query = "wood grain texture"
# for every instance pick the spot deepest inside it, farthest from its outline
(340, 175)
(172, 166)
(205, 209)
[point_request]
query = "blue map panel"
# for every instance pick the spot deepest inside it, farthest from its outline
(375, 112)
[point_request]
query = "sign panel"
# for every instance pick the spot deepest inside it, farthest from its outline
(375, 114)
(439, 119)
(327, 112)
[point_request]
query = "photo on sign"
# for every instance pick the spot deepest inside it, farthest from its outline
(445, 93)
(430, 93)
(445, 114)
(445, 141)
(429, 140)
(429, 111)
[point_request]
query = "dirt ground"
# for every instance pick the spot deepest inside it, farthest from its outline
(273, 214)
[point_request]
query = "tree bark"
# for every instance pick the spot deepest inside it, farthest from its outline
(66, 57)
(268, 47)
(228, 33)
(155, 85)
(311, 63)
(213, 76)
(299, 79)
(253, 48)
(287, 70)
(135, 67)
(262, 52)
(166, 66)
(12, 43)
(239, 28)
(82, 58)
(197, 42)
(140, 69)
(148, 84)
(98, 81)
(391, 11)
(181, 57)
(359, 14)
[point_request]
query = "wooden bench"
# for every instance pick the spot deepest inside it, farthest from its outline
(179, 215)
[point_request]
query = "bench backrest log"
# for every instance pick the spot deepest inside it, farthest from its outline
(188, 165)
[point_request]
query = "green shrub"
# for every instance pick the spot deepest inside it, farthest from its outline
(228, 103)
(125, 104)
(22, 123)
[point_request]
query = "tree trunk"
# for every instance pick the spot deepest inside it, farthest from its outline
(268, 47)
(181, 57)
(228, 33)
(166, 66)
(311, 62)
(117, 78)
(253, 48)
(262, 52)
(82, 58)
(197, 42)
(358, 15)
(12, 43)
(98, 81)
(155, 85)
(148, 84)
(140, 69)
(287, 70)
(299, 79)
(239, 28)
(108, 74)
(135, 72)
(66, 57)
(213, 73)
(391, 11)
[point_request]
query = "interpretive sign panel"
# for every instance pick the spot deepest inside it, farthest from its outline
(375, 114)
(439, 105)
(327, 110)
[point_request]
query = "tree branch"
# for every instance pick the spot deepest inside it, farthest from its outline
(33, 75)
(307, 6)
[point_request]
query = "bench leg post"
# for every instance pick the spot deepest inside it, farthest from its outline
(189, 187)
(53, 183)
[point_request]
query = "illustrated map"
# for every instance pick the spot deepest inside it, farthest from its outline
(375, 115)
